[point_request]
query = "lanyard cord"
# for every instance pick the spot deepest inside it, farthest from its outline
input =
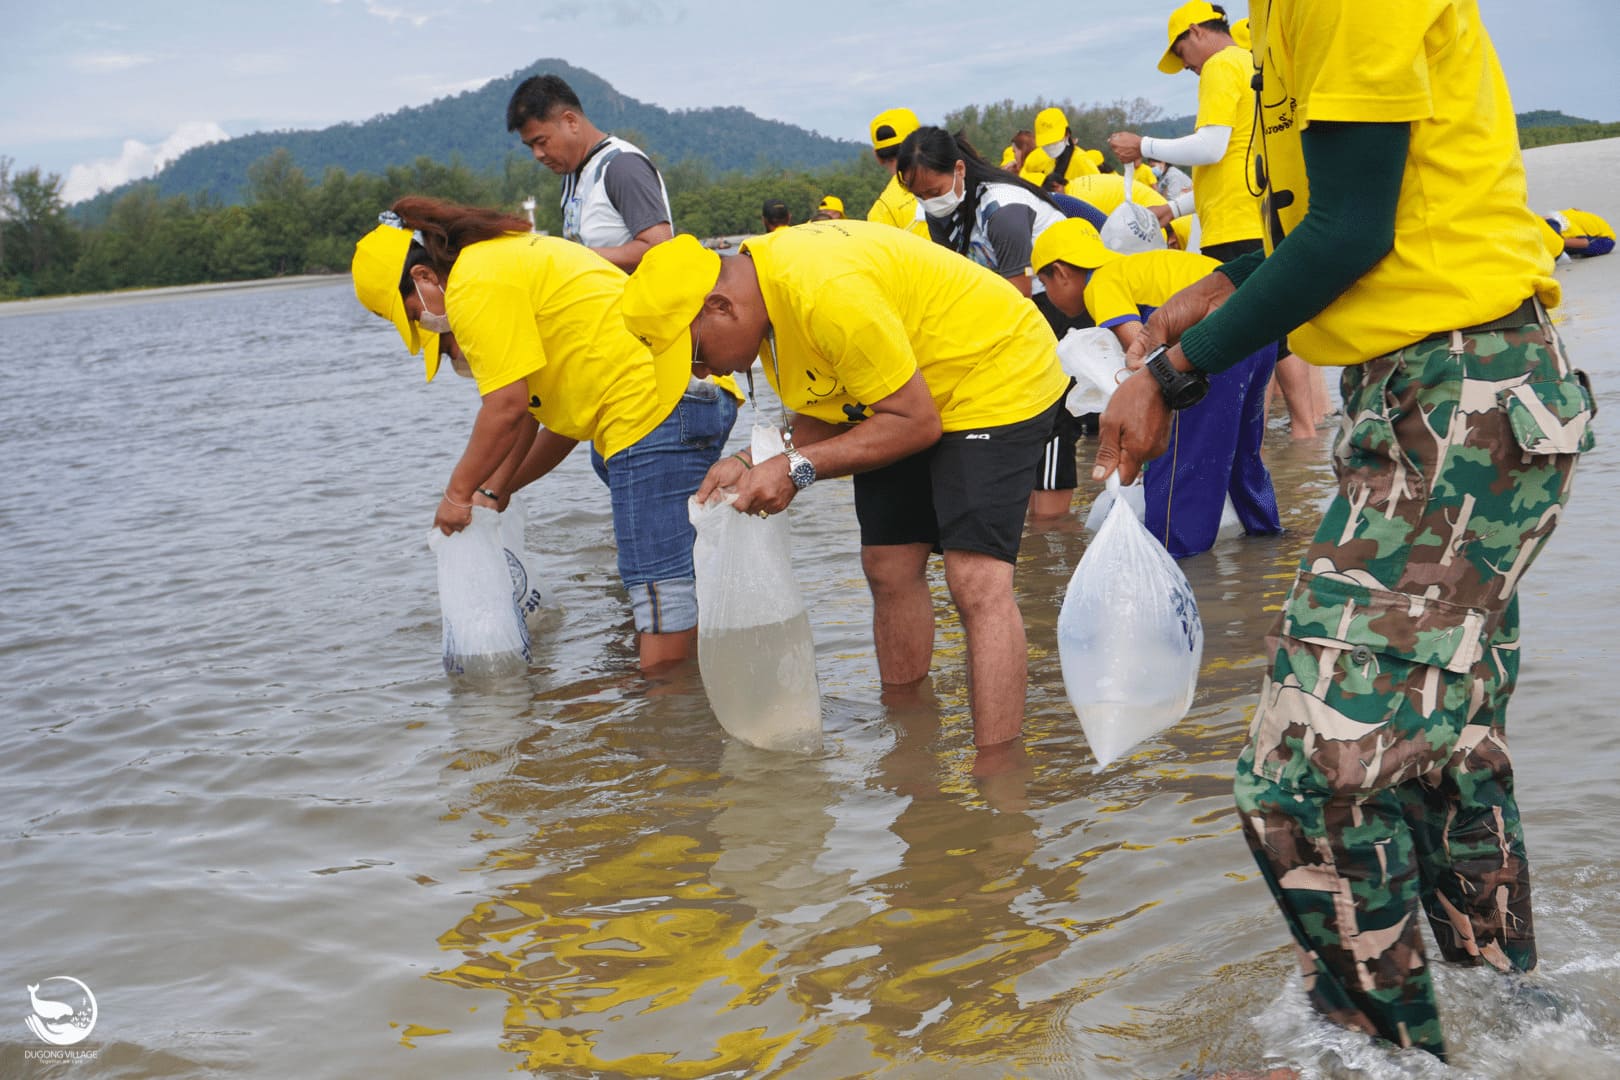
(776, 379)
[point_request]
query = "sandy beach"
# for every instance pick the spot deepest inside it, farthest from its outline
(87, 301)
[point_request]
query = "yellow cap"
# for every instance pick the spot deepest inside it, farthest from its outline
(1182, 227)
(1037, 165)
(831, 202)
(891, 126)
(1240, 34)
(1008, 156)
(1144, 175)
(666, 293)
(1074, 241)
(379, 262)
(1050, 124)
(1187, 15)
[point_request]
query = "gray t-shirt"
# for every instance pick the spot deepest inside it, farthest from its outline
(633, 189)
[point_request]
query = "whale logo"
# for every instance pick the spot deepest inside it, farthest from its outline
(61, 1014)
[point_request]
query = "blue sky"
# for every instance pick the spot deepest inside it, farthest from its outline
(102, 92)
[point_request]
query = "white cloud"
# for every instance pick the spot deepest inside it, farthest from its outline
(103, 62)
(395, 14)
(452, 88)
(138, 161)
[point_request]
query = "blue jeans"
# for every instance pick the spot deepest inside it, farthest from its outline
(649, 484)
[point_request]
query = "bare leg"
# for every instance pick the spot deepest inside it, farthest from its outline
(1294, 380)
(1050, 504)
(981, 586)
(660, 650)
(1321, 404)
(902, 610)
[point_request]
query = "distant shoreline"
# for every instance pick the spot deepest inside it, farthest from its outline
(38, 304)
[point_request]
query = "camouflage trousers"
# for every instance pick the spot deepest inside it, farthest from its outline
(1377, 778)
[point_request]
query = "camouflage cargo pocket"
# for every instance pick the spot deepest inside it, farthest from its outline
(1369, 687)
(1551, 417)
(1368, 457)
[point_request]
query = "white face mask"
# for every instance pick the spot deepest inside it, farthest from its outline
(438, 324)
(1055, 150)
(942, 206)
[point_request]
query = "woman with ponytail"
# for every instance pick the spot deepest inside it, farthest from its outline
(993, 217)
(535, 321)
(988, 214)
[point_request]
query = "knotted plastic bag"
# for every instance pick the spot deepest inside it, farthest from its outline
(1132, 227)
(529, 591)
(1129, 637)
(755, 652)
(485, 634)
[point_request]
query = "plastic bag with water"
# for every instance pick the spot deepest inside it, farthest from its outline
(529, 591)
(1129, 637)
(755, 652)
(485, 633)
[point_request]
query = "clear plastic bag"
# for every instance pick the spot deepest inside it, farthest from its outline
(755, 651)
(529, 591)
(1094, 358)
(1129, 637)
(485, 634)
(1133, 495)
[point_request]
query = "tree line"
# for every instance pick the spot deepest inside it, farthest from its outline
(290, 224)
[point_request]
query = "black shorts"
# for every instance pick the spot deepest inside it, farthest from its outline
(1057, 470)
(967, 492)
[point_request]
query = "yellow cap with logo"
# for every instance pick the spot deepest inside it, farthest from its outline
(831, 202)
(1074, 241)
(379, 263)
(1050, 125)
(666, 293)
(1182, 19)
(891, 126)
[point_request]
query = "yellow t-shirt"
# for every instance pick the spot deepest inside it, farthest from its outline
(1106, 191)
(857, 309)
(1080, 164)
(898, 207)
(1552, 238)
(1227, 211)
(1467, 249)
(1586, 223)
(546, 310)
(1118, 290)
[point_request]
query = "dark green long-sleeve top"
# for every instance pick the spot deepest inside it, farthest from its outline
(1354, 175)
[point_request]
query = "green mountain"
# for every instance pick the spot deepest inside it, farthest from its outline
(471, 127)
(1537, 118)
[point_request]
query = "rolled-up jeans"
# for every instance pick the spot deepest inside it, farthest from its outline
(649, 483)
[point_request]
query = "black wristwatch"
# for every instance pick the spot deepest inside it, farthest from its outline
(1181, 389)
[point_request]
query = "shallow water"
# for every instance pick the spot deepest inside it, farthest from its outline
(246, 807)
